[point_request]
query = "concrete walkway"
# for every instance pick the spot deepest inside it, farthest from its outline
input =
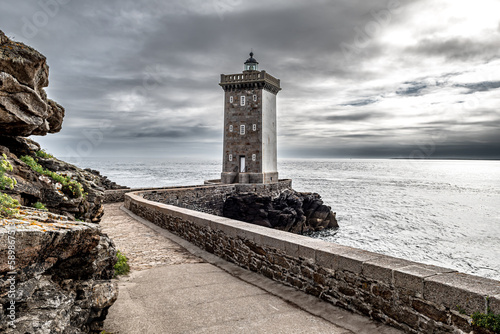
(175, 287)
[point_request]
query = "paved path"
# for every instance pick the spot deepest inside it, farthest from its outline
(174, 287)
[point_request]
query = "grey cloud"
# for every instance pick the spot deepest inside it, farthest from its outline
(479, 86)
(378, 150)
(461, 49)
(359, 103)
(362, 136)
(193, 132)
(412, 88)
(352, 117)
(101, 53)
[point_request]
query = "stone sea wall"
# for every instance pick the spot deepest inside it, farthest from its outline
(414, 297)
(118, 195)
(207, 198)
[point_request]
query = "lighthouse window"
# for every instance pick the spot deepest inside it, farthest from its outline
(230, 157)
(242, 100)
(254, 127)
(254, 157)
(254, 98)
(230, 128)
(242, 129)
(230, 99)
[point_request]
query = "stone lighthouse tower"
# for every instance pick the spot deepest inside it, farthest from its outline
(250, 143)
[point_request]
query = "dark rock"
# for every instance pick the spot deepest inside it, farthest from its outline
(291, 211)
(19, 146)
(24, 107)
(104, 182)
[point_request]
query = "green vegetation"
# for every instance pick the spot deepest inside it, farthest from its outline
(5, 181)
(70, 187)
(121, 267)
(43, 154)
(461, 310)
(8, 206)
(39, 206)
(489, 321)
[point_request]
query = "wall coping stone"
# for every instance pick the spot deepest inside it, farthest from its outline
(452, 289)
(412, 277)
(382, 268)
(352, 259)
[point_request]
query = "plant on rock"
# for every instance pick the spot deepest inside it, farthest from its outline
(8, 206)
(39, 206)
(489, 321)
(43, 154)
(5, 181)
(70, 187)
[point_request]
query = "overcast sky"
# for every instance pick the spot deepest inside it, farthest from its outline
(371, 78)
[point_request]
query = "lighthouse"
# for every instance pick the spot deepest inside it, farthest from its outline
(250, 137)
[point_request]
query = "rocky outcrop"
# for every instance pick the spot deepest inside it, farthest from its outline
(25, 110)
(24, 107)
(291, 211)
(60, 280)
(34, 187)
(104, 181)
(55, 273)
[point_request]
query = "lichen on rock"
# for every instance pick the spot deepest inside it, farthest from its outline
(63, 274)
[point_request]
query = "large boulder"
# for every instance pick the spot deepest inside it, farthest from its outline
(291, 211)
(62, 275)
(24, 107)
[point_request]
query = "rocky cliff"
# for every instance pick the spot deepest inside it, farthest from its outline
(55, 272)
(291, 211)
(25, 110)
(55, 275)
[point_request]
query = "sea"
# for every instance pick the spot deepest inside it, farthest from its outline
(439, 212)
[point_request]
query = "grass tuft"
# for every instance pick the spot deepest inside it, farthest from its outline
(9, 207)
(43, 154)
(39, 206)
(489, 321)
(121, 267)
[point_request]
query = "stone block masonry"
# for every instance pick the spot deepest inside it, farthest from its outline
(207, 198)
(118, 195)
(414, 297)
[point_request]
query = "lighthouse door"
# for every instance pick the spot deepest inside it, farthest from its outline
(242, 164)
